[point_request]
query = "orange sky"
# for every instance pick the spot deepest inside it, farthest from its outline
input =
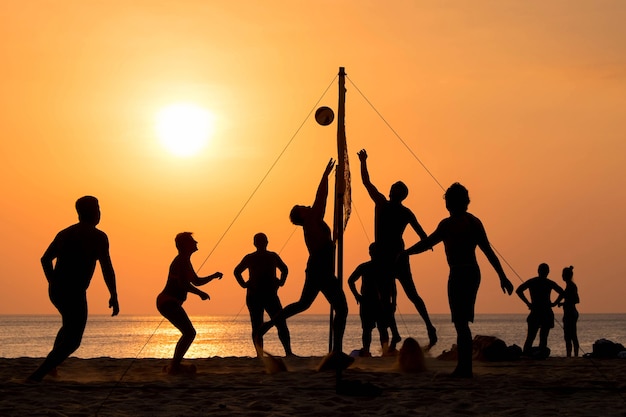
(524, 103)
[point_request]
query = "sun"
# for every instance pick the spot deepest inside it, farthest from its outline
(184, 129)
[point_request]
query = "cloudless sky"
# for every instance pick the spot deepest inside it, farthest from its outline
(522, 102)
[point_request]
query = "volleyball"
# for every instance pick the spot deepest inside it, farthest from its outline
(324, 115)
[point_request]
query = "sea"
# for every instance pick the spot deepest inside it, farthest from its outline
(230, 336)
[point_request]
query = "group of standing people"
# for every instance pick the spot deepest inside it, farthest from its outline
(76, 249)
(541, 317)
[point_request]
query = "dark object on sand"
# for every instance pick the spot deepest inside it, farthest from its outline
(604, 348)
(488, 349)
(538, 352)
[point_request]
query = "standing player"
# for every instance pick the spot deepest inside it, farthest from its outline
(461, 233)
(262, 290)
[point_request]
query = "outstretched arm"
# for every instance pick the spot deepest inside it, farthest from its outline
(417, 227)
(205, 280)
(365, 177)
(190, 276)
(198, 292)
(319, 205)
(426, 243)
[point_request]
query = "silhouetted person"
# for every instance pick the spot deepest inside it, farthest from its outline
(69, 264)
(391, 218)
(320, 269)
(411, 357)
(570, 313)
(262, 290)
(541, 317)
(369, 300)
(460, 234)
(182, 279)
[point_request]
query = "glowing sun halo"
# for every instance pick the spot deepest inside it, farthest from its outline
(184, 129)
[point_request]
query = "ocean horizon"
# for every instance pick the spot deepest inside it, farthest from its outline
(150, 336)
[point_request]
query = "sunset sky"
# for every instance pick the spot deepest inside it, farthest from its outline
(522, 102)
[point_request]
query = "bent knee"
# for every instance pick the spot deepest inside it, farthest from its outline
(189, 333)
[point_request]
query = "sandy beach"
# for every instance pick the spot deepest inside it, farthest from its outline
(243, 387)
